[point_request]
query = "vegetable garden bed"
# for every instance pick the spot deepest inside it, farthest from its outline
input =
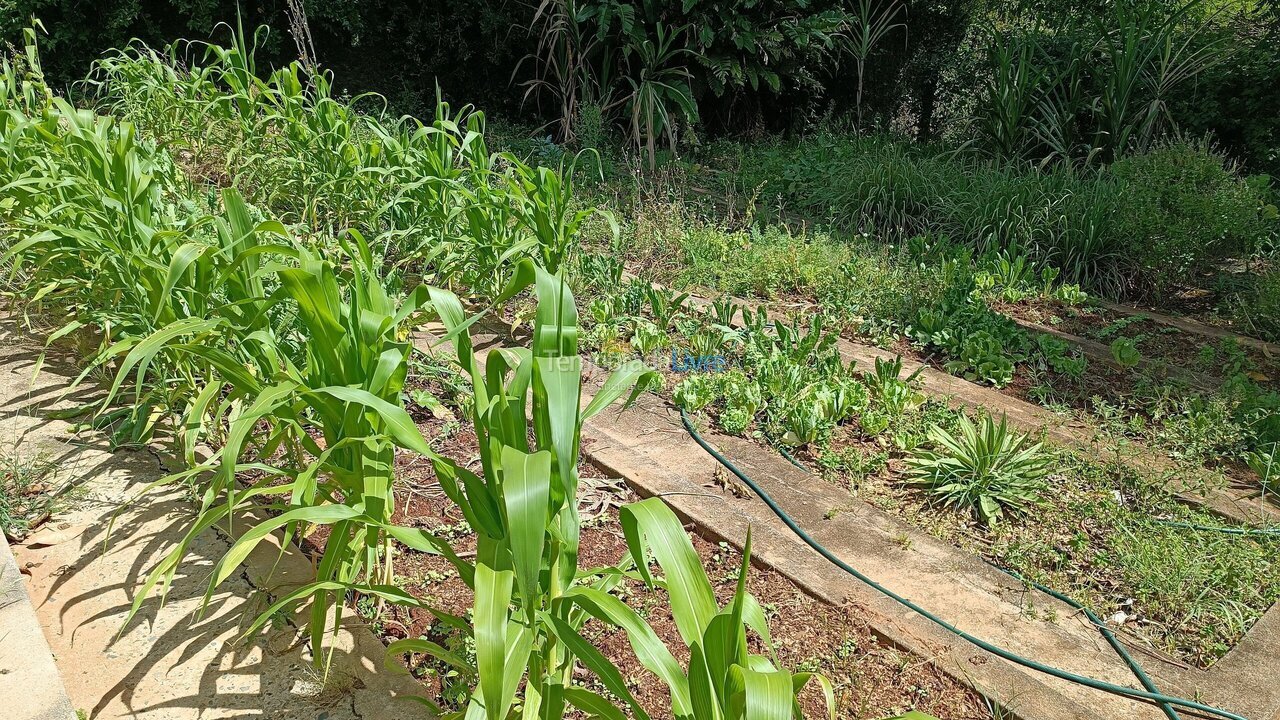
(272, 320)
(872, 680)
(1092, 536)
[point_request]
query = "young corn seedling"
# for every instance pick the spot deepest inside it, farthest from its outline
(531, 599)
(524, 506)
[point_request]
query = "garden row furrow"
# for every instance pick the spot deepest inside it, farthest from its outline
(1192, 326)
(1098, 352)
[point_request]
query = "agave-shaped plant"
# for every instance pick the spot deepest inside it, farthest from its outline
(987, 469)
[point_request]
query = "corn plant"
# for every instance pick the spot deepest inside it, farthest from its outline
(531, 598)
(523, 505)
(723, 678)
(320, 434)
(106, 241)
(543, 200)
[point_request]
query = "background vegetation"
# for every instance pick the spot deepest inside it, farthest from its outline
(1069, 76)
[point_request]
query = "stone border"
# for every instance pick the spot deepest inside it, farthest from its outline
(30, 686)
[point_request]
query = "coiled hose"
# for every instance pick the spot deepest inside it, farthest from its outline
(1150, 694)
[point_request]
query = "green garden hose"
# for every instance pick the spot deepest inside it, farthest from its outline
(1148, 695)
(1110, 637)
(1247, 532)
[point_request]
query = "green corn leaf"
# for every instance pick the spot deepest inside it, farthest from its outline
(492, 600)
(319, 515)
(632, 377)
(759, 695)
(419, 645)
(471, 495)
(799, 680)
(178, 267)
(397, 423)
(704, 693)
(595, 706)
(387, 593)
(649, 649)
(526, 490)
(596, 662)
(266, 403)
(558, 383)
(140, 354)
(423, 541)
(651, 526)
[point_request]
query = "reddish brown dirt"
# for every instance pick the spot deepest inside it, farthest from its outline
(1185, 352)
(871, 680)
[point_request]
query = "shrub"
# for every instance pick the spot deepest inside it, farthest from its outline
(1184, 207)
(1258, 310)
(988, 469)
(1139, 225)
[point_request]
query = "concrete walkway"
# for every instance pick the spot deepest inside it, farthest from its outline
(167, 664)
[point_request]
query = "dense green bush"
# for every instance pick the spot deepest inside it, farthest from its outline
(1236, 100)
(1183, 208)
(1130, 228)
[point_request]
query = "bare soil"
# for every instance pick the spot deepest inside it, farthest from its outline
(1191, 354)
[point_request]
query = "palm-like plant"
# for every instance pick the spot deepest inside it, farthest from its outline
(1149, 53)
(987, 469)
(868, 27)
(660, 90)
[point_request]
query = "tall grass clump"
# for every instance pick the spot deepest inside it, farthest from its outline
(1130, 228)
(432, 200)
